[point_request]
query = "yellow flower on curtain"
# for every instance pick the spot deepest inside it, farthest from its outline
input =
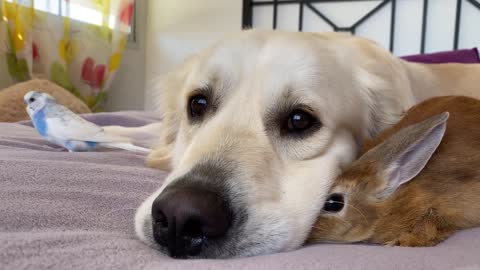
(9, 11)
(17, 19)
(114, 62)
(101, 32)
(68, 50)
(117, 57)
(19, 34)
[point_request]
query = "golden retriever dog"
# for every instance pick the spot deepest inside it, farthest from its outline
(256, 128)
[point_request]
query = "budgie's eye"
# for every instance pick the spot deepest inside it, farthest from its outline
(32, 99)
(198, 105)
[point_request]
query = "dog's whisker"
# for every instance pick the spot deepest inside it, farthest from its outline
(143, 192)
(117, 210)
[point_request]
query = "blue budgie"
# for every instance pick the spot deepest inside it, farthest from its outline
(59, 125)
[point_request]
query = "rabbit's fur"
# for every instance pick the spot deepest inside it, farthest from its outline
(391, 197)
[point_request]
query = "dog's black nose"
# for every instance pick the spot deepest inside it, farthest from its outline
(186, 218)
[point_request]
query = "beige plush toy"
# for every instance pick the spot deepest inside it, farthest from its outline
(12, 108)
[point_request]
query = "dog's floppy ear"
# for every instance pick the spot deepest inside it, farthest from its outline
(403, 156)
(383, 82)
(168, 90)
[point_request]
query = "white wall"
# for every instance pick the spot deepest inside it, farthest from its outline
(128, 88)
(178, 28)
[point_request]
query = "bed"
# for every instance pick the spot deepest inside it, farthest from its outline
(61, 210)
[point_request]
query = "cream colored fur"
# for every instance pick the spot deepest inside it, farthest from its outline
(355, 87)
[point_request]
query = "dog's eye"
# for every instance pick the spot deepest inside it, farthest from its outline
(334, 203)
(299, 121)
(198, 106)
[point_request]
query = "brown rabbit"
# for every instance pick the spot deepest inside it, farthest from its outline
(392, 196)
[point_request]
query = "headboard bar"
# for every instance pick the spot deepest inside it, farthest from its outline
(249, 5)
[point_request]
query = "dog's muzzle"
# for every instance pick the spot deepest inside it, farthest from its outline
(185, 218)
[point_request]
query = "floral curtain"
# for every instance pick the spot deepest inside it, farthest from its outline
(77, 44)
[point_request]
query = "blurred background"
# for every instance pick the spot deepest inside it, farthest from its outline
(114, 49)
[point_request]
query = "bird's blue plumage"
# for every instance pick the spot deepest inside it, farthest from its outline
(40, 123)
(92, 144)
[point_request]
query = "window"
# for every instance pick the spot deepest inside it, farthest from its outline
(79, 10)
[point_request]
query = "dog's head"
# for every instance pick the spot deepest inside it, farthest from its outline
(255, 130)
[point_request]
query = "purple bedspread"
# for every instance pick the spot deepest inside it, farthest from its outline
(464, 56)
(61, 210)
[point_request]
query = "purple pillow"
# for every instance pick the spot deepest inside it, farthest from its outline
(466, 56)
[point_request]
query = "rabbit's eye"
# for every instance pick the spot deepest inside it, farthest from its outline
(334, 203)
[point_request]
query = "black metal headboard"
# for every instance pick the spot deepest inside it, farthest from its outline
(249, 5)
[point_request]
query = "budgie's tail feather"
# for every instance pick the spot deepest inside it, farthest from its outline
(126, 146)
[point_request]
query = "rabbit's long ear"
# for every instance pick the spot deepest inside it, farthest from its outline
(402, 156)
